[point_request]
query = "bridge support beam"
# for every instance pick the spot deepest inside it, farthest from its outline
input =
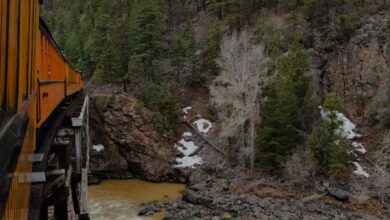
(82, 143)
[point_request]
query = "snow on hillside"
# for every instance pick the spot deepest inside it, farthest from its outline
(188, 147)
(98, 147)
(203, 125)
(359, 170)
(347, 129)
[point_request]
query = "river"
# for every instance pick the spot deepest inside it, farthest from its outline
(121, 199)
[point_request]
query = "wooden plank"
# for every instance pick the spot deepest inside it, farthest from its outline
(37, 177)
(69, 200)
(35, 157)
(84, 191)
(55, 172)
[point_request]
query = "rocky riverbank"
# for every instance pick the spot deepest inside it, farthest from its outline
(233, 194)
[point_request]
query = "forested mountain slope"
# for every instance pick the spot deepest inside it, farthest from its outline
(298, 89)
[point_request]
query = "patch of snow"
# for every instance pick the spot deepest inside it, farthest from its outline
(189, 161)
(187, 148)
(359, 147)
(98, 147)
(187, 134)
(187, 109)
(359, 170)
(347, 128)
(203, 125)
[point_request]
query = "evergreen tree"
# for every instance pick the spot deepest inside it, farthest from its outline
(339, 17)
(178, 55)
(183, 50)
(119, 38)
(236, 13)
(213, 48)
(189, 37)
(281, 115)
(100, 52)
(87, 25)
(277, 134)
(294, 65)
(311, 13)
(327, 144)
(146, 39)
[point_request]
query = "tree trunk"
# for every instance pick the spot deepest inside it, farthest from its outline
(252, 134)
(125, 85)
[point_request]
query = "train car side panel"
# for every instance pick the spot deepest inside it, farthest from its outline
(73, 82)
(3, 48)
(25, 98)
(33, 82)
(12, 54)
(24, 41)
(51, 80)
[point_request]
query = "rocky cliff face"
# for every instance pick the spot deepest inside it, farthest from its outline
(360, 73)
(131, 144)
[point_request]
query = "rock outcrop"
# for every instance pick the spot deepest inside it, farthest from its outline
(132, 146)
(360, 73)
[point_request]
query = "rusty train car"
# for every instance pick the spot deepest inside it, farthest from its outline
(35, 77)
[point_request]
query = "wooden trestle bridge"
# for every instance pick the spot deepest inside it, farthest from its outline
(44, 136)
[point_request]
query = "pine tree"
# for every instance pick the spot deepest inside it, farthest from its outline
(189, 37)
(178, 56)
(183, 50)
(311, 13)
(327, 144)
(87, 24)
(100, 52)
(119, 38)
(281, 123)
(213, 48)
(146, 39)
(236, 13)
(340, 18)
(293, 65)
(277, 134)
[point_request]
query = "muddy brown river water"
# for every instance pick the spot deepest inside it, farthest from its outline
(121, 199)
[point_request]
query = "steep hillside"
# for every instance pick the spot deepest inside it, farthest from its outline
(295, 95)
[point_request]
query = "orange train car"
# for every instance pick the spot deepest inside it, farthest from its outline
(57, 78)
(35, 77)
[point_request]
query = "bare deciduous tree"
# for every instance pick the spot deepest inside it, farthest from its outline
(299, 168)
(237, 91)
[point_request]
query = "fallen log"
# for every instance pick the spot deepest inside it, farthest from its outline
(313, 197)
(204, 138)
